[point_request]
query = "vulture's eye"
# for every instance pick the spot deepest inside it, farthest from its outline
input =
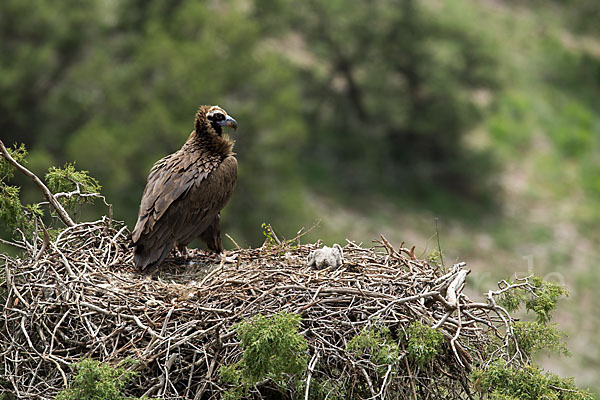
(218, 116)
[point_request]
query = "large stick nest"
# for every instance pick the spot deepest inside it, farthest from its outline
(79, 296)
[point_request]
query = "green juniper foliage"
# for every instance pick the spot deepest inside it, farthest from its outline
(547, 294)
(18, 153)
(97, 381)
(512, 299)
(68, 179)
(272, 346)
(541, 300)
(525, 383)
(424, 342)
(11, 210)
(376, 343)
(12, 213)
(273, 349)
(535, 336)
(7, 396)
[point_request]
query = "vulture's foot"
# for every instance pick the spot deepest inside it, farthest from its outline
(182, 251)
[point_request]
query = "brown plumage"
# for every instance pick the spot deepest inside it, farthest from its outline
(186, 191)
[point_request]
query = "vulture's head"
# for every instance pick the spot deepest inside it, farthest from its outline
(213, 118)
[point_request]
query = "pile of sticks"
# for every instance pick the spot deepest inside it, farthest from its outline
(79, 296)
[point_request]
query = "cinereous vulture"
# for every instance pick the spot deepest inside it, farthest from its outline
(186, 191)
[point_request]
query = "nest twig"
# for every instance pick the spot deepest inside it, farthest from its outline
(80, 296)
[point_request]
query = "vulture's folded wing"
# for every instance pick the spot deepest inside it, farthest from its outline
(182, 199)
(169, 179)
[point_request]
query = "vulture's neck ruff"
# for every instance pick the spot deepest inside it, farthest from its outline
(209, 134)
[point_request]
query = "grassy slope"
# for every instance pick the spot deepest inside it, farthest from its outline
(541, 127)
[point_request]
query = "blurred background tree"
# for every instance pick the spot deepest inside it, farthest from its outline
(389, 93)
(374, 117)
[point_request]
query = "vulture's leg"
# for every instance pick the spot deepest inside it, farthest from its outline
(183, 251)
(212, 236)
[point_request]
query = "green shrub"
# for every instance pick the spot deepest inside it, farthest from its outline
(11, 210)
(540, 297)
(272, 349)
(68, 179)
(512, 300)
(424, 342)
(535, 336)
(97, 381)
(18, 153)
(376, 343)
(547, 294)
(12, 213)
(525, 383)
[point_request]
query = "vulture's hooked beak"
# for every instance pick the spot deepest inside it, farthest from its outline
(230, 122)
